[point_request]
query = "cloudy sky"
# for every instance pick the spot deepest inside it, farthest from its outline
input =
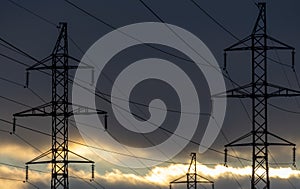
(30, 26)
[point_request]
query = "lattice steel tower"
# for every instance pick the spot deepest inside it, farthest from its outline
(59, 110)
(259, 91)
(192, 178)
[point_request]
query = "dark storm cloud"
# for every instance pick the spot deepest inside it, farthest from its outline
(37, 38)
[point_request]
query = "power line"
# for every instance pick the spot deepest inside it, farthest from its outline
(11, 179)
(273, 60)
(228, 31)
(94, 147)
(82, 144)
(20, 85)
(259, 96)
(136, 115)
(277, 164)
(283, 109)
(130, 36)
(59, 68)
(75, 142)
(28, 143)
(44, 172)
(11, 81)
(234, 36)
(110, 102)
(20, 167)
(146, 44)
(160, 19)
(14, 101)
(297, 79)
(112, 26)
(23, 53)
(14, 60)
(33, 13)
(104, 94)
(125, 118)
(27, 10)
(14, 48)
(97, 19)
(134, 102)
(37, 149)
(81, 86)
(100, 95)
(172, 162)
(124, 34)
(4, 131)
(214, 20)
(180, 112)
(89, 14)
(98, 184)
(285, 74)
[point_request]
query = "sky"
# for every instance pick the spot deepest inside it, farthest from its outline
(30, 26)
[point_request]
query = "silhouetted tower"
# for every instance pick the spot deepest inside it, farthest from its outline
(59, 109)
(192, 178)
(259, 91)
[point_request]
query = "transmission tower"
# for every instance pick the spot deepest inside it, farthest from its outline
(259, 91)
(192, 178)
(59, 110)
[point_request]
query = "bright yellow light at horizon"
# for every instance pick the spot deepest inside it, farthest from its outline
(160, 175)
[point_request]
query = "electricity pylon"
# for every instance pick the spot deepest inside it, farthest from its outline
(59, 110)
(260, 91)
(192, 178)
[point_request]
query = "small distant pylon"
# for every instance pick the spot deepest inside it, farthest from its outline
(59, 109)
(192, 178)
